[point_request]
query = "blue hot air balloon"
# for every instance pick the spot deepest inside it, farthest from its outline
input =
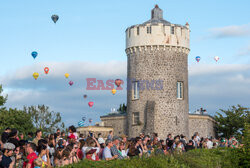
(34, 54)
(198, 58)
(80, 123)
(55, 18)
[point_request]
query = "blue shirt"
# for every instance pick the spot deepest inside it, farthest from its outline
(106, 153)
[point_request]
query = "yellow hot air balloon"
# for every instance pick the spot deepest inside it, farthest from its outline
(35, 75)
(113, 91)
(66, 75)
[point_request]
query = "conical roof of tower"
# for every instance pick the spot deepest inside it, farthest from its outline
(157, 17)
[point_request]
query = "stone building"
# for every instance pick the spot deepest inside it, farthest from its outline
(157, 73)
(95, 130)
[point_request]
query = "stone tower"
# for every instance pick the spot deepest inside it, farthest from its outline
(157, 73)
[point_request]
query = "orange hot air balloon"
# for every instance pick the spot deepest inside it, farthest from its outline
(118, 82)
(113, 91)
(35, 75)
(46, 70)
(91, 104)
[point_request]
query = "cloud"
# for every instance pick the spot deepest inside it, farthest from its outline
(210, 86)
(244, 51)
(231, 31)
(215, 87)
(201, 69)
(54, 91)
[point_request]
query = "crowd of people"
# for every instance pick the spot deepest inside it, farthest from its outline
(58, 149)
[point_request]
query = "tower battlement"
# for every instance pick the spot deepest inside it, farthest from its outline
(157, 31)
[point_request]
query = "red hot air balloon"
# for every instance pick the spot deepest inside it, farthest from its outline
(71, 83)
(91, 104)
(46, 70)
(118, 82)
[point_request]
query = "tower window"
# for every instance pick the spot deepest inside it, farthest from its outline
(149, 30)
(179, 90)
(129, 32)
(136, 118)
(172, 29)
(135, 90)
(138, 30)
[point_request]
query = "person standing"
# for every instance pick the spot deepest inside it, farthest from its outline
(30, 137)
(38, 137)
(30, 150)
(5, 135)
(13, 137)
(110, 136)
(6, 161)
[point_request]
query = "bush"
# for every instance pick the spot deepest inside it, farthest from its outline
(199, 158)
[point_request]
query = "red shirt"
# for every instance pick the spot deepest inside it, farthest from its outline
(79, 153)
(31, 157)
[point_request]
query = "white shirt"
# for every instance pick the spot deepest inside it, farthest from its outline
(124, 153)
(209, 144)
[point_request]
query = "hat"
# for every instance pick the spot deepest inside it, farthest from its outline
(108, 141)
(101, 141)
(90, 151)
(9, 146)
(116, 137)
(123, 136)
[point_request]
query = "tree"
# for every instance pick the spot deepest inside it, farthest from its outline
(2, 98)
(18, 119)
(42, 118)
(232, 122)
(123, 108)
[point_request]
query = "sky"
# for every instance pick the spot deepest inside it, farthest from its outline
(88, 41)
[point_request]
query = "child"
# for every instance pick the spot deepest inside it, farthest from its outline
(38, 163)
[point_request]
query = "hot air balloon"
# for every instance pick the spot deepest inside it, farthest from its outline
(118, 82)
(113, 91)
(80, 123)
(71, 83)
(91, 104)
(83, 119)
(198, 58)
(55, 18)
(66, 75)
(85, 96)
(35, 75)
(46, 70)
(34, 54)
(216, 58)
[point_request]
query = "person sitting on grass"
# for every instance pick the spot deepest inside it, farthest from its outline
(90, 152)
(122, 150)
(114, 148)
(107, 152)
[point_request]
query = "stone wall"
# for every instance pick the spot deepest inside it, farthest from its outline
(203, 124)
(118, 122)
(168, 65)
